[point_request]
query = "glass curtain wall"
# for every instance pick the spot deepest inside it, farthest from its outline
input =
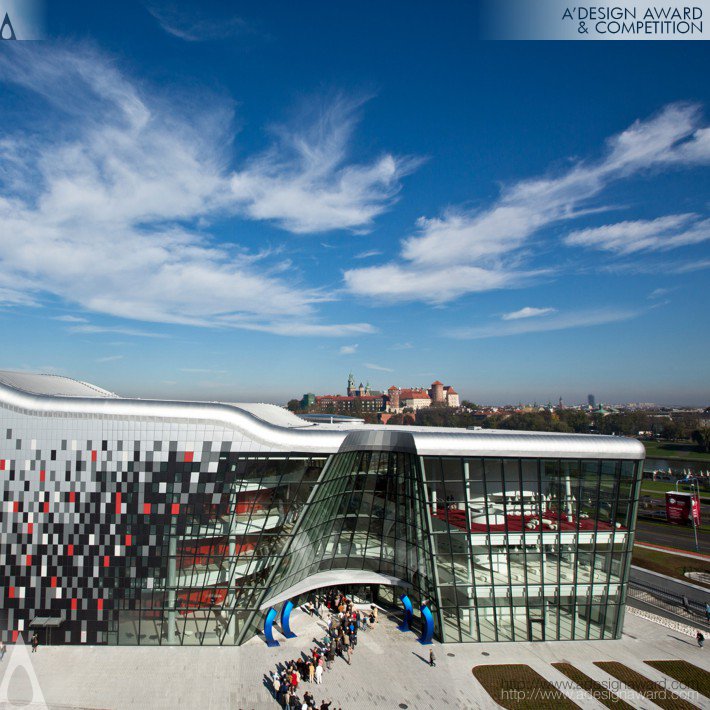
(531, 549)
(221, 542)
(367, 513)
(504, 549)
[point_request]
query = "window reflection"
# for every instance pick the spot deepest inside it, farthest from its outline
(505, 548)
(545, 534)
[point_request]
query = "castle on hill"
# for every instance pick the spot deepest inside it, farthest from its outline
(362, 399)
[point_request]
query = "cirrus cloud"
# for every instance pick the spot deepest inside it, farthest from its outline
(467, 251)
(561, 321)
(528, 312)
(304, 182)
(661, 234)
(108, 193)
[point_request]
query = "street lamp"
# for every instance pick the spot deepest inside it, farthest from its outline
(690, 482)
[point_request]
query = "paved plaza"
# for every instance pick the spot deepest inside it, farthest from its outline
(390, 670)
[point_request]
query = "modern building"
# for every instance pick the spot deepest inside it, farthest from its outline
(128, 521)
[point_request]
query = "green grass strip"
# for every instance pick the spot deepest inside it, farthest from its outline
(591, 686)
(695, 678)
(650, 690)
(519, 687)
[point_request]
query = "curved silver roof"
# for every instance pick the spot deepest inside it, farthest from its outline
(55, 385)
(278, 430)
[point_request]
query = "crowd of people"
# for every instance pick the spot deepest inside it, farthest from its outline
(344, 623)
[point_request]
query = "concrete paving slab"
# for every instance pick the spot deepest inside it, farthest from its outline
(390, 670)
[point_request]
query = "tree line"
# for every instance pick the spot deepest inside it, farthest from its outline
(681, 426)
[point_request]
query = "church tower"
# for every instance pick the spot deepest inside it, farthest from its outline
(351, 385)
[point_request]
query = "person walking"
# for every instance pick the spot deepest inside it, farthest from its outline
(700, 639)
(432, 658)
(319, 674)
(350, 655)
(3, 650)
(35, 643)
(375, 614)
(311, 672)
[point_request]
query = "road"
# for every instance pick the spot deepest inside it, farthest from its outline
(671, 536)
(675, 586)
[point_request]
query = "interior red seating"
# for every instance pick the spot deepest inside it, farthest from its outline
(250, 501)
(517, 523)
(208, 552)
(200, 599)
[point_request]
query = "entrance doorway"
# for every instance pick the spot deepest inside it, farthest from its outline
(536, 628)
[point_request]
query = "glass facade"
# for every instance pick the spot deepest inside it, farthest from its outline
(502, 549)
(205, 581)
(531, 549)
(179, 530)
(367, 513)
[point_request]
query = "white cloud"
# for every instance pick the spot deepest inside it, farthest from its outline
(657, 267)
(347, 350)
(203, 371)
(101, 329)
(379, 368)
(367, 254)
(110, 358)
(296, 328)
(482, 249)
(688, 267)
(562, 321)
(107, 188)
(71, 319)
(661, 234)
(13, 297)
(528, 312)
(304, 182)
(403, 282)
(659, 292)
(192, 24)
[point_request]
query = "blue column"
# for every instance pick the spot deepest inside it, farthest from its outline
(269, 627)
(286, 620)
(427, 624)
(408, 613)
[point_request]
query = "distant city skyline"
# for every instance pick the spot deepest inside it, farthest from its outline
(237, 203)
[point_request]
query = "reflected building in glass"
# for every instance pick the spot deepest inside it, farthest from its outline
(151, 522)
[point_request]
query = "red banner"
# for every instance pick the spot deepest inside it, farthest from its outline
(681, 506)
(696, 509)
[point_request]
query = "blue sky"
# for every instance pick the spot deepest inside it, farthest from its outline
(249, 200)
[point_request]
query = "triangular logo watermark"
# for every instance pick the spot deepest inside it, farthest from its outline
(7, 31)
(19, 658)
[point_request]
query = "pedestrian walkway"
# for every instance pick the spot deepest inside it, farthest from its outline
(389, 670)
(674, 551)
